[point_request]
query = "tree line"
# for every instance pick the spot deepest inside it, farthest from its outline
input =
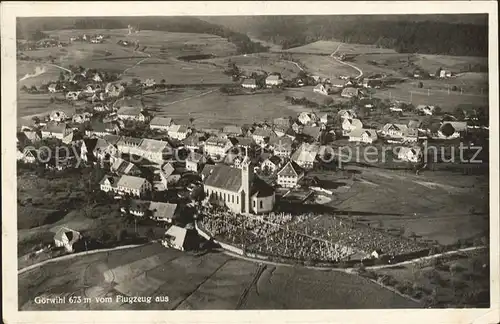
(429, 37)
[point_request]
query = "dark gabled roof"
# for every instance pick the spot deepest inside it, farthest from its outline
(112, 139)
(224, 177)
(55, 127)
(291, 169)
(261, 188)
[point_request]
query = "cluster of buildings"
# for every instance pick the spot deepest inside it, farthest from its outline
(272, 81)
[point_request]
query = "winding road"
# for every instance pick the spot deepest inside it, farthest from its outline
(346, 63)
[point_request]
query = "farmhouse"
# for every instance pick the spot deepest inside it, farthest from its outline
(281, 146)
(394, 130)
(261, 135)
(312, 131)
(109, 183)
(239, 189)
(216, 146)
(361, 135)
(347, 114)
(249, 84)
(305, 155)
(129, 145)
(55, 130)
(457, 128)
(100, 129)
(232, 130)
(280, 130)
(66, 238)
(272, 163)
(58, 116)
(323, 89)
(149, 83)
(132, 109)
(134, 186)
(114, 90)
(158, 211)
(410, 154)
(180, 238)
(290, 175)
(372, 83)
(284, 122)
(160, 123)
(121, 166)
(168, 175)
(105, 148)
(307, 118)
(273, 81)
(195, 162)
(81, 118)
(349, 125)
(350, 92)
(425, 109)
(154, 150)
(28, 156)
(178, 132)
(245, 142)
(194, 141)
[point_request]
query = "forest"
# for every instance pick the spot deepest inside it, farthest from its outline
(426, 37)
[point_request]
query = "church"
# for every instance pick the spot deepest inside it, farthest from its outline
(238, 188)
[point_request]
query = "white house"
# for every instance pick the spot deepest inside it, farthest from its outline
(179, 132)
(322, 89)
(160, 123)
(135, 186)
(195, 162)
(307, 118)
(305, 155)
(55, 130)
(249, 84)
(273, 81)
(58, 116)
(289, 175)
(261, 135)
(361, 135)
(66, 238)
(349, 125)
(425, 109)
(410, 154)
(216, 146)
(272, 163)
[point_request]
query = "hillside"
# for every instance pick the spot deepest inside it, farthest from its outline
(461, 35)
(29, 28)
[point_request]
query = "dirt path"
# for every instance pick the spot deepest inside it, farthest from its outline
(345, 63)
(74, 255)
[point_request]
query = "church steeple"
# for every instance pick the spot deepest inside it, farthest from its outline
(246, 181)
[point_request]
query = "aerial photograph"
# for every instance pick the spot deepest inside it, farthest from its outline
(253, 162)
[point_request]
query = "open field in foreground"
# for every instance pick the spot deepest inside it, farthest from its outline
(435, 206)
(210, 281)
(216, 109)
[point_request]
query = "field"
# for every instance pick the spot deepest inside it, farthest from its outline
(325, 66)
(460, 280)
(210, 281)
(434, 206)
(216, 109)
(328, 47)
(259, 63)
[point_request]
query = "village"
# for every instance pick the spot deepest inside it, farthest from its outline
(235, 180)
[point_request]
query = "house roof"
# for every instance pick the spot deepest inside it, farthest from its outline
(129, 141)
(167, 169)
(263, 132)
(122, 166)
(273, 77)
(58, 114)
(131, 182)
(457, 125)
(162, 210)
(245, 141)
(55, 127)
(282, 121)
(70, 234)
(207, 170)
(281, 142)
(358, 132)
(312, 131)
(178, 129)
(130, 106)
(152, 145)
(193, 139)
(113, 180)
(112, 139)
(414, 124)
(354, 123)
(291, 169)
(260, 188)
(249, 82)
(160, 121)
(232, 129)
(306, 153)
(217, 141)
(276, 160)
(224, 177)
(177, 235)
(350, 91)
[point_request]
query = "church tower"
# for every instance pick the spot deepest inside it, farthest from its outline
(246, 182)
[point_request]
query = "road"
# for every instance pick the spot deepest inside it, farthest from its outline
(346, 63)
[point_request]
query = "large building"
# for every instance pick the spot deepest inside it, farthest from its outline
(238, 188)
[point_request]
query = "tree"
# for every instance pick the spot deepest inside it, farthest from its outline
(36, 120)
(33, 89)
(447, 130)
(150, 234)
(459, 113)
(61, 76)
(328, 101)
(24, 88)
(191, 120)
(420, 85)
